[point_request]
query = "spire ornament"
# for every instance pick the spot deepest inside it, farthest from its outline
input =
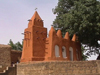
(36, 9)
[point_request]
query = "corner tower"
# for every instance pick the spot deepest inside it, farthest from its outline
(34, 40)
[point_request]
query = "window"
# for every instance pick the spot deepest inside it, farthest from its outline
(64, 52)
(57, 51)
(71, 53)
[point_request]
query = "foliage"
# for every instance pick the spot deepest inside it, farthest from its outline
(84, 57)
(81, 17)
(16, 46)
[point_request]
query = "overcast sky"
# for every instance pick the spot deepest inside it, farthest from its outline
(15, 13)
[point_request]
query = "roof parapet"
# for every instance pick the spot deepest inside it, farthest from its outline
(67, 36)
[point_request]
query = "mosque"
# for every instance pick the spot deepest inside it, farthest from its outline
(38, 47)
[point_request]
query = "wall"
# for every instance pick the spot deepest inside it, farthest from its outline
(15, 56)
(56, 39)
(59, 68)
(10, 71)
(5, 58)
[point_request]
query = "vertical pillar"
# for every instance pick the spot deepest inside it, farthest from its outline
(74, 52)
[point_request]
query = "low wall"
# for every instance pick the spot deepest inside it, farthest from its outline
(59, 68)
(2, 67)
(15, 56)
(5, 56)
(5, 52)
(10, 71)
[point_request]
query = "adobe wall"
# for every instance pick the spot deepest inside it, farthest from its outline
(59, 68)
(72, 47)
(15, 56)
(10, 71)
(5, 58)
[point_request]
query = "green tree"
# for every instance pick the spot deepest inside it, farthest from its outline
(16, 46)
(81, 17)
(84, 57)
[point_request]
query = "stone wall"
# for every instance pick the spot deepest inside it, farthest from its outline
(59, 68)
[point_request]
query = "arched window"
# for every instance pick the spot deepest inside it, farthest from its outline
(71, 53)
(57, 51)
(64, 52)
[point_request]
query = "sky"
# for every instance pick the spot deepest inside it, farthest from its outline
(14, 16)
(15, 13)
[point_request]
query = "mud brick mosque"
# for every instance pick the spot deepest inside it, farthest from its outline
(39, 47)
(42, 55)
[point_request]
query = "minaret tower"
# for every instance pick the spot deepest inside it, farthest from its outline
(34, 40)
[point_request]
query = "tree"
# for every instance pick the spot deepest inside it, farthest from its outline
(81, 17)
(84, 57)
(16, 46)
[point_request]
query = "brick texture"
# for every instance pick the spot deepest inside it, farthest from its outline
(10, 71)
(15, 56)
(5, 58)
(59, 68)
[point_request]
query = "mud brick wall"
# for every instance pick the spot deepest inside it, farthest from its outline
(10, 71)
(59, 68)
(15, 56)
(5, 55)
(98, 65)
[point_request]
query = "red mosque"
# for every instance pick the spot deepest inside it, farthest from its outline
(38, 47)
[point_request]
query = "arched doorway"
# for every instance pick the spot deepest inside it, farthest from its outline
(71, 53)
(64, 52)
(57, 51)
